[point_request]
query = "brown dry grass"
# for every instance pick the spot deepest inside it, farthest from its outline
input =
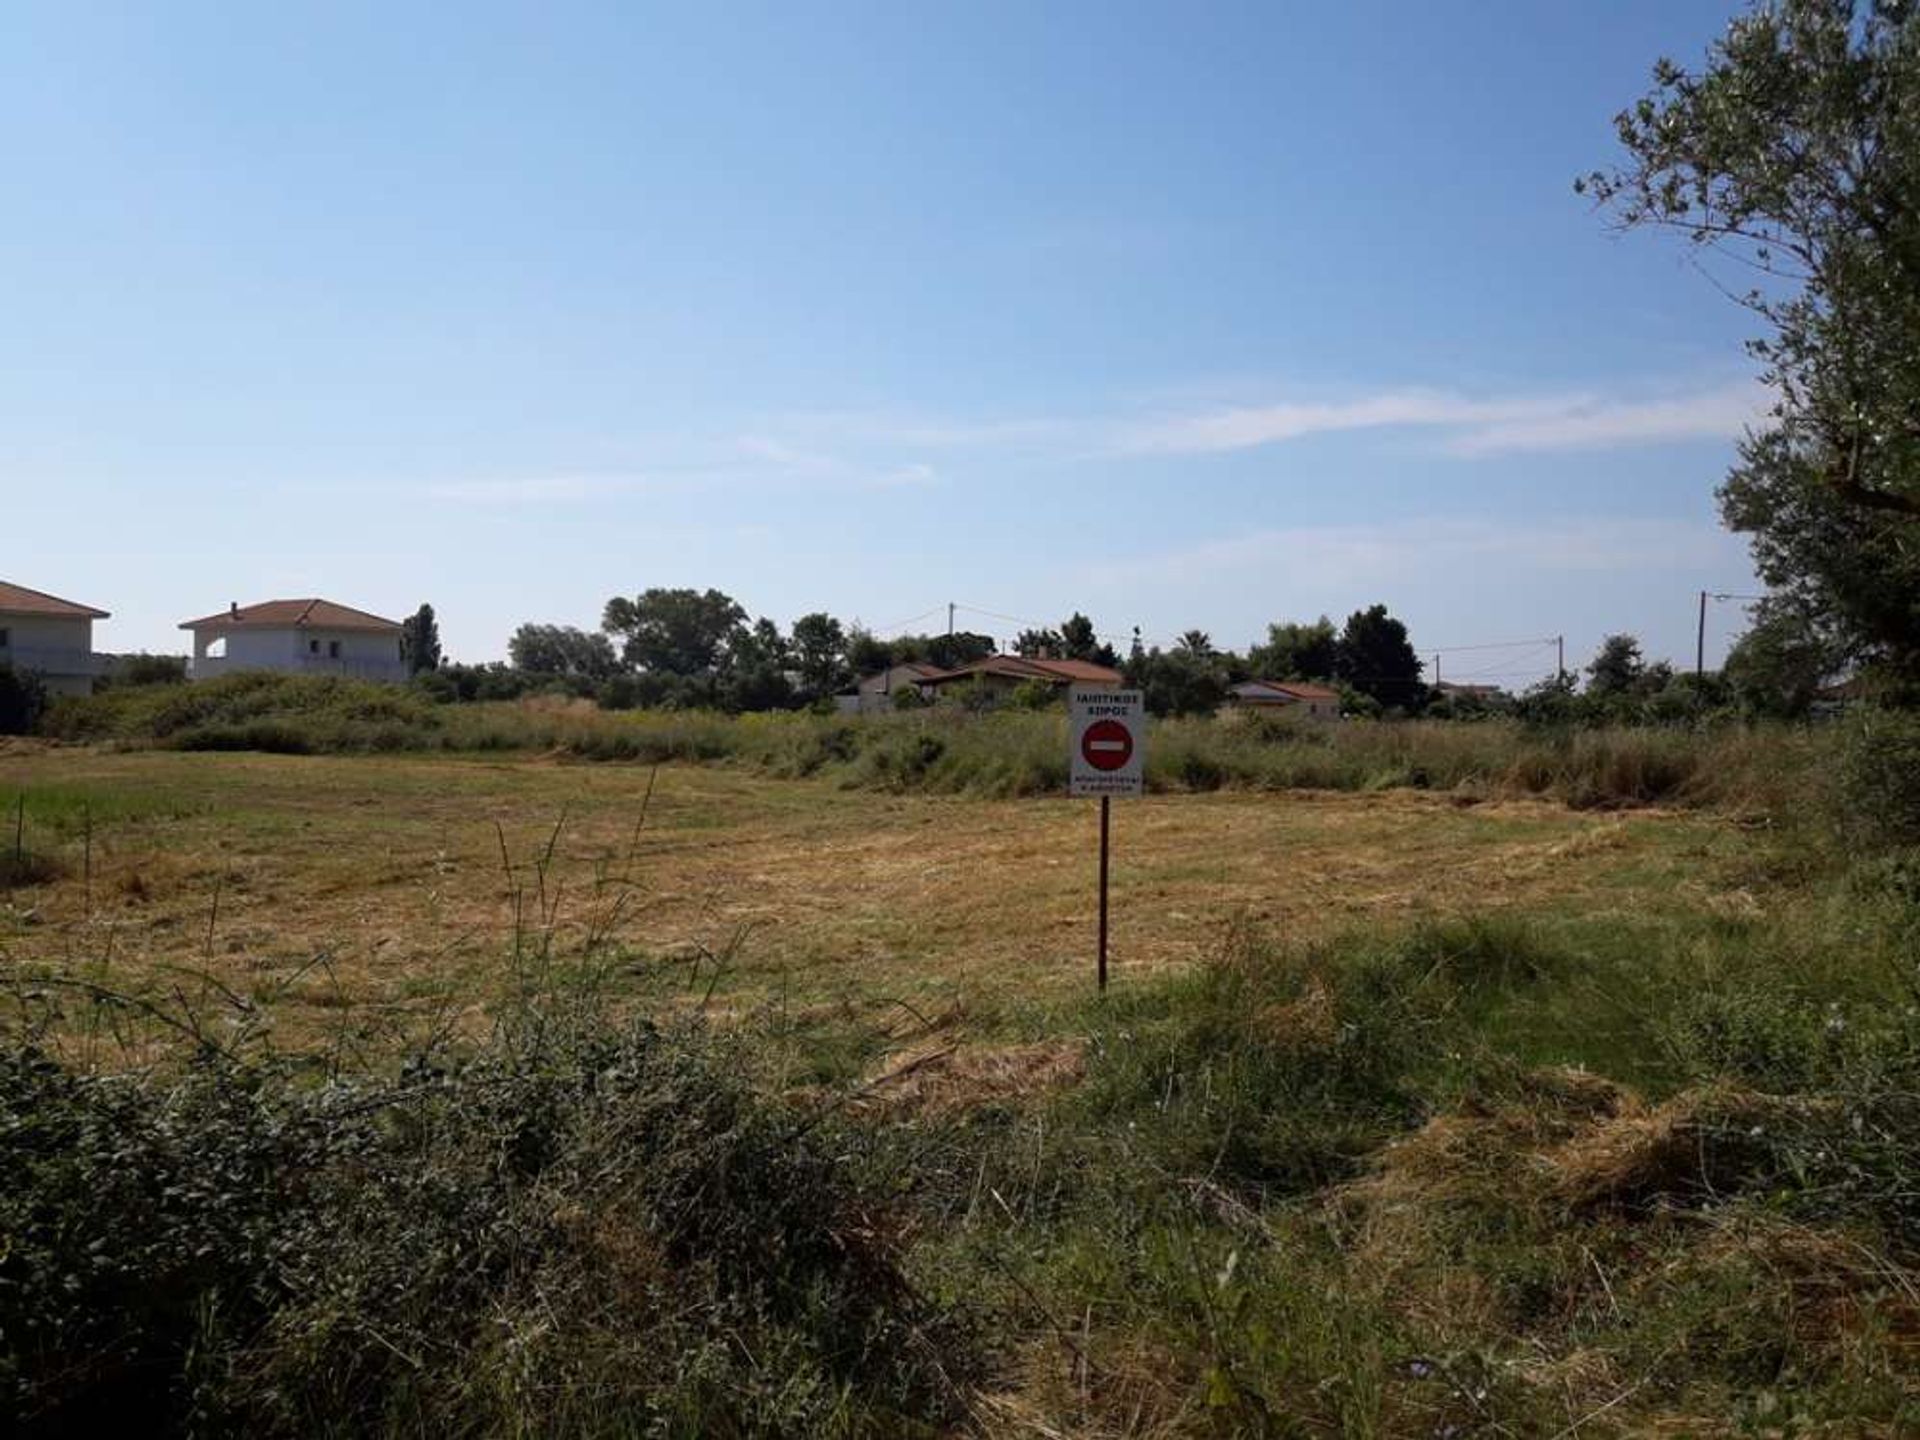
(1624, 1196)
(392, 869)
(946, 1079)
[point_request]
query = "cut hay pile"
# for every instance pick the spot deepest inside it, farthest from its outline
(1585, 1223)
(947, 1079)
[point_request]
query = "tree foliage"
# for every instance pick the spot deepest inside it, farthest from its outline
(1795, 154)
(420, 641)
(1293, 651)
(22, 698)
(868, 654)
(675, 632)
(1082, 643)
(562, 650)
(819, 654)
(1617, 667)
(1182, 681)
(1779, 666)
(1040, 645)
(1377, 659)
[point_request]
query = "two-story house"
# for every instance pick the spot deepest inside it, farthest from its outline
(49, 636)
(297, 637)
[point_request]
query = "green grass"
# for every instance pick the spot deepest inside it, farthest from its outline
(1499, 1174)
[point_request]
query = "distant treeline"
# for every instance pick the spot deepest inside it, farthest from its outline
(666, 649)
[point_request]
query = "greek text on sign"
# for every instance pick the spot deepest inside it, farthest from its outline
(1107, 734)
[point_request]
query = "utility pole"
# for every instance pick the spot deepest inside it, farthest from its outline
(1560, 665)
(949, 619)
(1436, 669)
(1700, 642)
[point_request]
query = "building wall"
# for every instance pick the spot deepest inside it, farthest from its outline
(875, 692)
(1308, 709)
(57, 648)
(301, 651)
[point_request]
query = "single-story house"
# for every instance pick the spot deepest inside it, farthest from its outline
(1002, 674)
(1307, 698)
(296, 637)
(876, 691)
(49, 636)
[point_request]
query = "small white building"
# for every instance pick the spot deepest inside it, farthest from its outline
(296, 637)
(49, 636)
(1301, 697)
(875, 692)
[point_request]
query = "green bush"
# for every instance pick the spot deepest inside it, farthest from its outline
(23, 698)
(581, 1228)
(1879, 789)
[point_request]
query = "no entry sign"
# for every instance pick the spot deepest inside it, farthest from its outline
(1108, 752)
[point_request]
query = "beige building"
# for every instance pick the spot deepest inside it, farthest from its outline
(875, 692)
(49, 636)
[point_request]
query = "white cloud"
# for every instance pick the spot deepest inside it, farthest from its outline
(1471, 426)
(842, 450)
(1346, 556)
(1608, 424)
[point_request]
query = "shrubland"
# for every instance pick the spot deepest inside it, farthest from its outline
(1009, 752)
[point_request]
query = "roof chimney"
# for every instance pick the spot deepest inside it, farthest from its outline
(233, 609)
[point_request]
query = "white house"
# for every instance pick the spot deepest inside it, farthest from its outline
(1302, 697)
(298, 637)
(49, 636)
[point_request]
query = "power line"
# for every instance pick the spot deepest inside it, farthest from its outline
(1492, 645)
(1510, 669)
(910, 620)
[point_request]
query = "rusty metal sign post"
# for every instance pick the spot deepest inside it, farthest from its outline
(1106, 756)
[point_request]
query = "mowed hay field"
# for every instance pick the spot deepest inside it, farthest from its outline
(508, 1094)
(417, 879)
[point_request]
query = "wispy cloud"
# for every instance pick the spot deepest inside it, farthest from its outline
(746, 462)
(537, 489)
(832, 451)
(1715, 414)
(1467, 425)
(1345, 556)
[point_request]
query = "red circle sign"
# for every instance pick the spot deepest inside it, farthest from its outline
(1107, 745)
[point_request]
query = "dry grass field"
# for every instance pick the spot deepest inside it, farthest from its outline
(691, 1099)
(414, 877)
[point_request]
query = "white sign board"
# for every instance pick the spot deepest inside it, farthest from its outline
(1107, 742)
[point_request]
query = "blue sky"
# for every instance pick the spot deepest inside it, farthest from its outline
(1183, 315)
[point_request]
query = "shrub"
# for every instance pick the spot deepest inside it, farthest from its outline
(1879, 789)
(22, 699)
(145, 669)
(578, 1227)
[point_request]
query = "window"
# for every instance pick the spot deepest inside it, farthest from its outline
(333, 649)
(313, 647)
(6, 637)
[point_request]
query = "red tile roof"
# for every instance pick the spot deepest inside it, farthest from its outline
(19, 600)
(292, 614)
(1292, 689)
(1018, 667)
